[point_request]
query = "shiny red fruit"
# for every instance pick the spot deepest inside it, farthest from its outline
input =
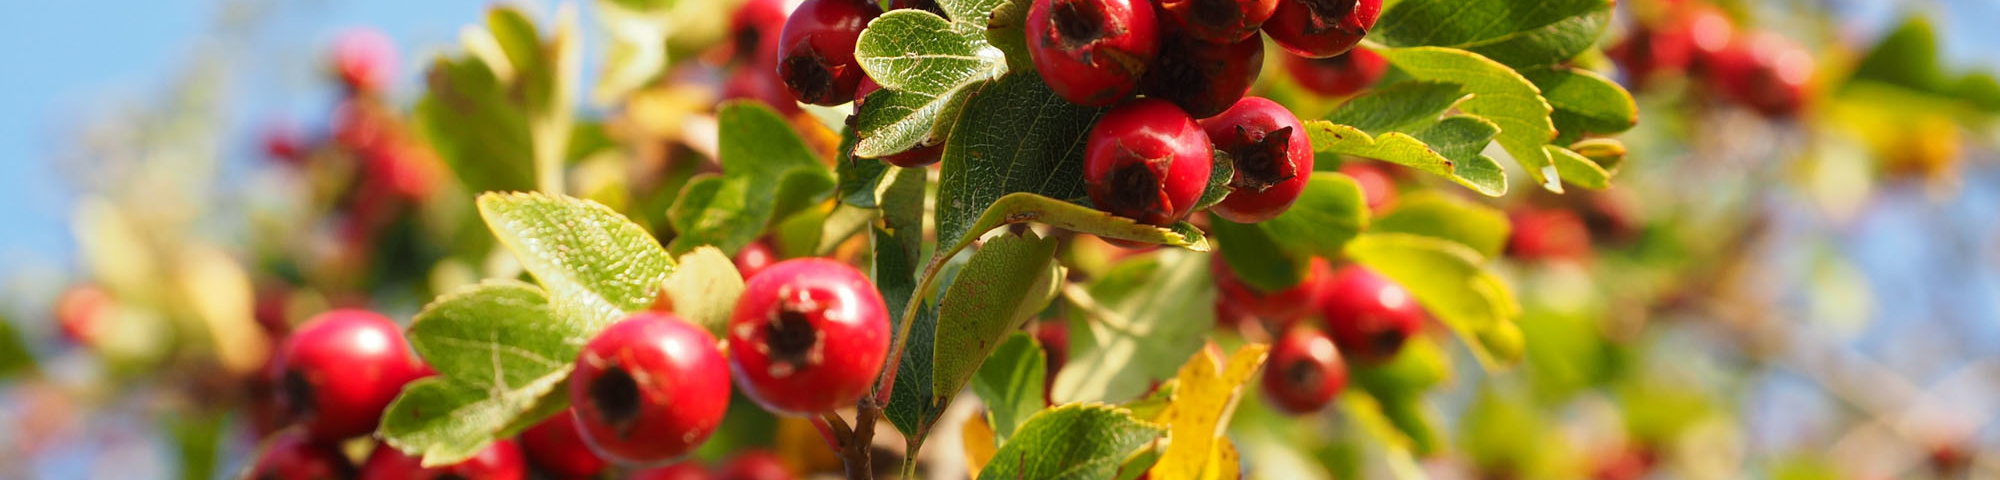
(755, 465)
(1768, 73)
(755, 257)
(917, 156)
(925, 5)
(364, 59)
(1377, 187)
(1280, 309)
(688, 470)
(1218, 21)
(1147, 161)
(1547, 235)
(341, 370)
(1092, 52)
(808, 335)
(1272, 155)
(1369, 316)
(754, 27)
(1321, 28)
(649, 389)
(499, 461)
(816, 50)
(1304, 373)
(556, 446)
(291, 456)
(1340, 75)
(1204, 78)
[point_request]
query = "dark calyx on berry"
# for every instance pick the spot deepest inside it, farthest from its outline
(616, 395)
(811, 76)
(1329, 15)
(1081, 23)
(793, 341)
(1136, 187)
(1263, 160)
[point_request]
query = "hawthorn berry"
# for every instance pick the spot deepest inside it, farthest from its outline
(753, 82)
(1305, 371)
(754, 258)
(755, 465)
(1147, 161)
(1369, 316)
(917, 156)
(1321, 28)
(1281, 308)
(688, 470)
(556, 446)
(1272, 154)
(290, 455)
(1767, 73)
(1377, 187)
(282, 142)
(925, 5)
(649, 389)
(1551, 234)
(499, 461)
(816, 50)
(1203, 78)
(1218, 21)
(1339, 75)
(808, 335)
(752, 28)
(82, 312)
(364, 59)
(340, 371)
(1054, 337)
(1092, 52)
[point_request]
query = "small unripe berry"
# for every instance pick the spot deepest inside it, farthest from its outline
(556, 446)
(1204, 78)
(1304, 373)
(808, 335)
(291, 456)
(1272, 154)
(1218, 21)
(1369, 316)
(649, 389)
(1321, 28)
(1092, 52)
(816, 50)
(499, 461)
(1341, 75)
(1147, 161)
(340, 371)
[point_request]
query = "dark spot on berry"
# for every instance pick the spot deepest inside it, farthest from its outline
(450, 476)
(925, 5)
(808, 74)
(1327, 14)
(1387, 341)
(1137, 190)
(1304, 374)
(792, 337)
(1262, 160)
(1078, 23)
(747, 40)
(300, 392)
(616, 394)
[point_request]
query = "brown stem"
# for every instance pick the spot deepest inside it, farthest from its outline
(858, 453)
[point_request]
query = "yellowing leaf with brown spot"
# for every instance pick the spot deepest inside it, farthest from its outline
(1208, 395)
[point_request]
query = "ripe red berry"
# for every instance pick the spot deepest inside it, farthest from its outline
(341, 369)
(754, 258)
(1272, 155)
(760, 83)
(1304, 373)
(1281, 308)
(556, 446)
(1218, 21)
(1092, 52)
(1340, 75)
(755, 465)
(1368, 315)
(918, 156)
(291, 456)
(1547, 235)
(753, 28)
(364, 59)
(1204, 78)
(808, 335)
(648, 389)
(925, 5)
(499, 461)
(816, 50)
(1377, 187)
(1767, 73)
(1321, 28)
(1147, 161)
(688, 470)
(82, 311)
(1054, 337)
(282, 142)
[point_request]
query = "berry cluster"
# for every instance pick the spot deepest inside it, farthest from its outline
(1762, 71)
(1363, 316)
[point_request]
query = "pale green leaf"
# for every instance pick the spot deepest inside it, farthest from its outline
(1144, 310)
(1499, 95)
(596, 264)
(1010, 383)
(1436, 215)
(704, 288)
(1477, 172)
(993, 294)
(1071, 442)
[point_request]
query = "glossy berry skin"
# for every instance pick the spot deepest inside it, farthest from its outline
(1541, 235)
(755, 465)
(649, 389)
(1304, 373)
(808, 335)
(364, 59)
(1147, 161)
(1279, 309)
(1321, 28)
(917, 156)
(1272, 155)
(816, 50)
(556, 446)
(1369, 316)
(688, 470)
(1204, 78)
(753, 28)
(291, 456)
(1092, 52)
(499, 461)
(341, 369)
(1218, 21)
(1378, 189)
(754, 258)
(1341, 75)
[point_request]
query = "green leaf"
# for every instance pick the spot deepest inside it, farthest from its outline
(898, 253)
(501, 349)
(472, 121)
(973, 12)
(1578, 170)
(1014, 135)
(893, 122)
(1499, 95)
(858, 178)
(15, 359)
(704, 289)
(1514, 32)
(1008, 280)
(1142, 311)
(1008, 31)
(1436, 215)
(1402, 107)
(1028, 207)
(1220, 173)
(1906, 57)
(768, 173)
(1255, 257)
(923, 63)
(1071, 442)
(1477, 172)
(1446, 278)
(1010, 383)
(1329, 213)
(1585, 102)
(595, 264)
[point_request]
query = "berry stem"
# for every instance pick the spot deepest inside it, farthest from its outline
(828, 432)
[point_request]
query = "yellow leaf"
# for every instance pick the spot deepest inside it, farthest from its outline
(979, 448)
(1200, 412)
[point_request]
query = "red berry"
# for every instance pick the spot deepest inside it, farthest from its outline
(341, 369)
(754, 258)
(1767, 73)
(1147, 161)
(1377, 187)
(808, 335)
(680, 471)
(925, 5)
(1304, 373)
(755, 465)
(1272, 154)
(1054, 337)
(1092, 52)
(1280, 308)
(816, 50)
(82, 311)
(1369, 316)
(1340, 75)
(499, 461)
(752, 28)
(1204, 78)
(556, 446)
(291, 456)
(282, 142)
(1218, 21)
(918, 156)
(649, 389)
(1321, 28)
(365, 59)
(1547, 235)
(760, 83)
